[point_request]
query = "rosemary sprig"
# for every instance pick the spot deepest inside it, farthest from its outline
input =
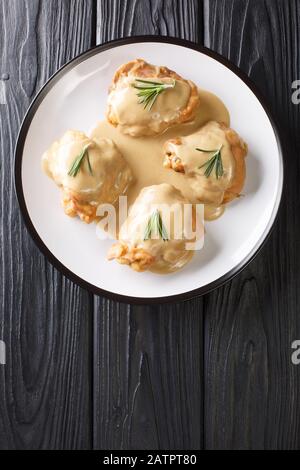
(75, 167)
(156, 226)
(149, 91)
(214, 162)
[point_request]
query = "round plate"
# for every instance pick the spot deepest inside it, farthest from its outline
(75, 98)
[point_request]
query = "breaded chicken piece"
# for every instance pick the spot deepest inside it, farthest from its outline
(89, 171)
(157, 234)
(177, 103)
(212, 160)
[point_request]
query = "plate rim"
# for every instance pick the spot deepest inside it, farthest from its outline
(18, 158)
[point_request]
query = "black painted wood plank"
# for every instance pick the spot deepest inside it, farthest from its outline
(252, 389)
(45, 320)
(123, 18)
(148, 360)
(148, 376)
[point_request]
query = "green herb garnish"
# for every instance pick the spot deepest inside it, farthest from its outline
(214, 162)
(78, 162)
(149, 91)
(156, 226)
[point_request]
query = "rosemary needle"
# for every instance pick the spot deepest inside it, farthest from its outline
(78, 162)
(155, 226)
(149, 91)
(214, 162)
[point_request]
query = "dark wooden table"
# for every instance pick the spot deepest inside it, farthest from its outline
(85, 372)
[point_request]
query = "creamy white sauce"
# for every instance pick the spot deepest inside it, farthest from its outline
(169, 255)
(145, 154)
(207, 189)
(131, 115)
(110, 175)
(115, 157)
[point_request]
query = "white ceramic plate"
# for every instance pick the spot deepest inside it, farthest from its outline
(75, 98)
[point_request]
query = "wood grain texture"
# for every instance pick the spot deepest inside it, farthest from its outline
(148, 360)
(148, 376)
(252, 389)
(162, 379)
(123, 18)
(45, 320)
